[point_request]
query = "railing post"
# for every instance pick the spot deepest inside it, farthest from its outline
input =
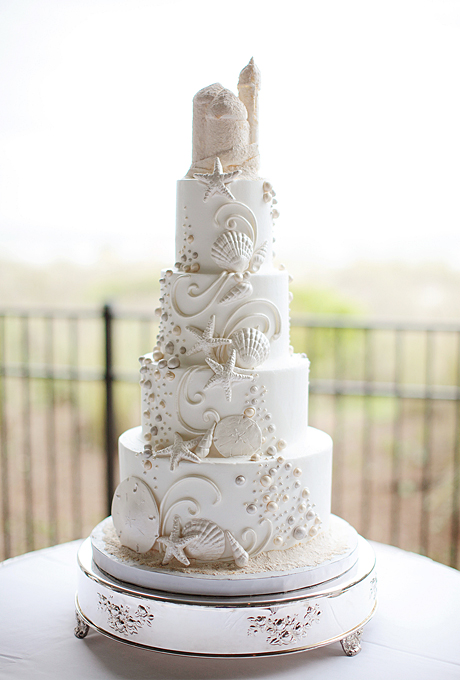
(107, 315)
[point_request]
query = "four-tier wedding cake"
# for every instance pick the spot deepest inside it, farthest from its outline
(223, 513)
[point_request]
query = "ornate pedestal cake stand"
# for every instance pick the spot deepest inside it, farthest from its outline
(197, 624)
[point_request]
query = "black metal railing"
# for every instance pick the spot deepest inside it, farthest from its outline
(388, 393)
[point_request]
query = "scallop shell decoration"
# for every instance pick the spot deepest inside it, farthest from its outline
(209, 544)
(252, 347)
(238, 292)
(232, 251)
(135, 515)
(237, 436)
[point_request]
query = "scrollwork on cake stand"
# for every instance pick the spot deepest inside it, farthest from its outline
(351, 645)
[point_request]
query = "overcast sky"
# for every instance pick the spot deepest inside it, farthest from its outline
(360, 133)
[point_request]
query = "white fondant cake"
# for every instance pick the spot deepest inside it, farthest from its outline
(224, 466)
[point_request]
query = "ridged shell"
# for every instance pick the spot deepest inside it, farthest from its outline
(209, 544)
(259, 257)
(252, 347)
(238, 292)
(240, 555)
(232, 251)
(237, 436)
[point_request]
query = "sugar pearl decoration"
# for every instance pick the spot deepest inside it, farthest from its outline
(291, 520)
(164, 316)
(147, 464)
(170, 376)
(154, 430)
(254, 389)
(297, 472)
(240, 480)
(158, 418)
(177, 330)
(170, 347)
(278, 541)
(302, 508)
(249, 412)
(288, 466)
(162, 364)
(281, 445)
(313, 531)
(310, 514)
(272, 506)
(147, 436)
(299, 533)
(271, 451)
(157, 375)
(266, 498)
(266, 480)
(158, 311)
(251, 509)
(271, 429)
(305, 492)
(195, 267)
(174, 363)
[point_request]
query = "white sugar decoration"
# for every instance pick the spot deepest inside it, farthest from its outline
(225, 375)
(215, 182)
(206, 342)
(237, 436)
(135, 515)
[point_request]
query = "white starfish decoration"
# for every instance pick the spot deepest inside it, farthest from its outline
(175, 545)
(225, 375)
(217, 180)
(180, 450)
(206, 342)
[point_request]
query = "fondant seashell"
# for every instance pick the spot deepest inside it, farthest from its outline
(204, 445)
(135, 515)
(238, 292)
(252, 347)
(237, 436)
(232, 251)
(209, 544)
(259, 257)
(240, 555)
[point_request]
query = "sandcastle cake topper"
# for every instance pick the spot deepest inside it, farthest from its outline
(226, 127)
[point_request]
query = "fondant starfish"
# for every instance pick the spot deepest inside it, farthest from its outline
(206, 342)
(216, 181)
(180, 450)
(175, 545)
(225, 375)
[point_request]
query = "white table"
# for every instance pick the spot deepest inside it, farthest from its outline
(415, 633)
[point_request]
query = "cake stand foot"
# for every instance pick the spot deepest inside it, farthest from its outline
(82, 628)
(351, 645)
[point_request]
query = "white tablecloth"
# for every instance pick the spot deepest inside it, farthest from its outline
(415, 633)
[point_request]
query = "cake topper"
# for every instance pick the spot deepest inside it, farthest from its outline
(226, 126)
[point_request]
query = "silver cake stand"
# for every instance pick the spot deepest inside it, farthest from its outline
(230, 626)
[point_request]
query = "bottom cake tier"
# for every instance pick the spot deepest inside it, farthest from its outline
(260, 505)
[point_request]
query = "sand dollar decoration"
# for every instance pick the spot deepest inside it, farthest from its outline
(252, 347)
(135, 515)
(209, 543)
(237, 436)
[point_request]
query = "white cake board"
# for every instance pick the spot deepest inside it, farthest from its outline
(124, 566)
(204, 625)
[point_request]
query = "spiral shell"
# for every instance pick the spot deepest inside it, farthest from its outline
(237, 436)
(238, 292)
(204, 445)
(259, 257)
(232, 251)
(240, 555)
(209, 544)
(252, 347)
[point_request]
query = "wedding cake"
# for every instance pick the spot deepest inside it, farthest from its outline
(225, 489)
